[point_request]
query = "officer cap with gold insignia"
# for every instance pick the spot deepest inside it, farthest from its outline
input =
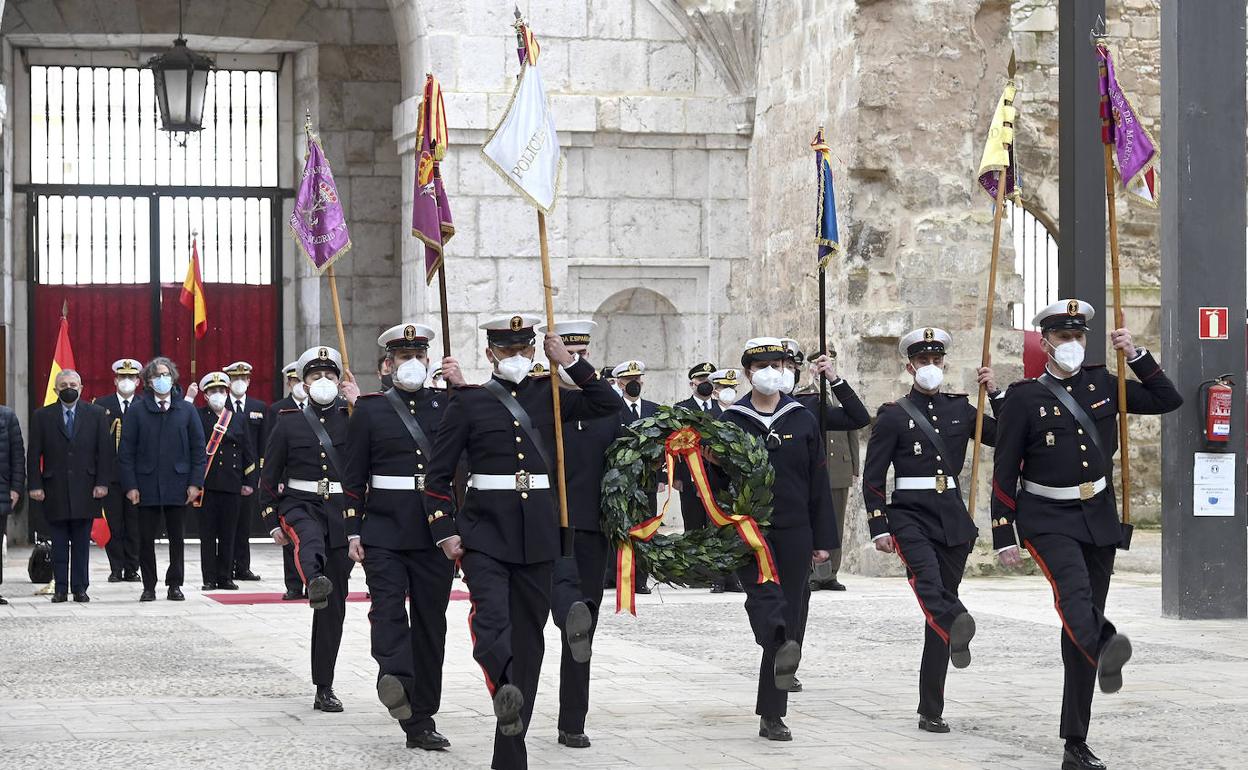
(214, 380)
(317, 358)
(705, 369)
(291, 370)
(1065, 314)
(929, 339)
(538, 370)
(127, 367)
(572, 332)
(628, 369)
(406, 335)
(725, 377)
(238, 369)
(794, 350)
(508, 330)
(763, 349)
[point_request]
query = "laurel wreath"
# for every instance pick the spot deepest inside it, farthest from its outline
(636, 462)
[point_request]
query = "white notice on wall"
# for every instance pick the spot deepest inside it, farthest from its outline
(1213, 484)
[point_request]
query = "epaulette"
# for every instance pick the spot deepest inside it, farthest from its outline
(1094, 366)
(372, 395)
(956, 395)
(884, 406)
(291, 410)
(467, 387)
(1023, 381)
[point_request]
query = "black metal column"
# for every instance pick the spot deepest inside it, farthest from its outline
(1081, 165)
(1203, 264)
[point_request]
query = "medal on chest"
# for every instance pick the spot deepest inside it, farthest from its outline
(1049, 440)
(918, 449)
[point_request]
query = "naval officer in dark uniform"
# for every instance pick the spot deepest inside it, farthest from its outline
(122, 515)
(507, 534)
(229, 481)
(1053, 479)
(923, 436)
(701, 399)
(296, 398)
(251, 411)
(389, 445)
(306, 455)
(803, 525)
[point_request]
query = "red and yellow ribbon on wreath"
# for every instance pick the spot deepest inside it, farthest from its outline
(686, 444)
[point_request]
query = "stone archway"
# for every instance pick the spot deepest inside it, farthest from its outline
(640, 323)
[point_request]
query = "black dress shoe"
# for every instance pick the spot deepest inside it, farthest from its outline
(933, 724)
(787, 657)
(318, 592)
(429, 740)
(641, 590)
(733, 585)
(175, 594)
(246, 575)
(58, 598)
(82, 597)
(292, 596)
(508, 703)
(960, 634)
(227, 585)
(114, 577)
(130, 576)
(3, 601)
(393, 696)
(576, 628)
(148, 595)
(796, 685)
(326, 701)
(717, 587)
(208, 587)
(836, 585)
(774, 729)
(1114, 655)
(1079, 757)
(573, 740)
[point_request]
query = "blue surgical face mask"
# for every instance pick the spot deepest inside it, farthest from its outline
(162, 384)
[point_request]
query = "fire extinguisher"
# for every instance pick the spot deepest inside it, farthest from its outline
(1216, 397)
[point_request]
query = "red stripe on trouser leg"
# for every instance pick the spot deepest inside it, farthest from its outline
(294, 540)
(1057, 600)
(489, 683)
(931, 621)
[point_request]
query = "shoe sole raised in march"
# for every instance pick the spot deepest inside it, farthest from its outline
(392, 695)
(508, 702)
(577, 628)
(960, 635)
(1115, 655)
(788, 656)
(318, 592)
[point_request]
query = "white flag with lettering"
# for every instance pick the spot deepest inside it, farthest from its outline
(524, 149)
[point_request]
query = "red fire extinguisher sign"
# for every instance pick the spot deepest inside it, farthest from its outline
(1214, 323)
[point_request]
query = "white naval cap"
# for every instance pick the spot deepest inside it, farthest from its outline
(628, 369)
(763, 349)
(538, 369)
(238, 369)
(793, 348)
(406, 335)
(572, 332)
(725, 377)
(127, 366)
(1065, 314)
(507, 330)
(291, 370)
(929, 339)
(214, 380)
(319, 357)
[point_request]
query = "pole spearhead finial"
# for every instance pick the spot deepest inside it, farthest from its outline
(518, 15)
(307, 120)
(1012, 67)
(1099, 32)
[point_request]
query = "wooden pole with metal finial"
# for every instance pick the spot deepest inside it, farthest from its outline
(333, 283)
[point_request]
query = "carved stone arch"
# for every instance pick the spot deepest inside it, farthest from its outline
(724, 32)
(640, 323)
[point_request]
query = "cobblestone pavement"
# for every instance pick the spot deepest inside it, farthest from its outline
(119, 684)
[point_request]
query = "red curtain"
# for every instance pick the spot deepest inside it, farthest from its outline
(1034, 357)
(240, 328)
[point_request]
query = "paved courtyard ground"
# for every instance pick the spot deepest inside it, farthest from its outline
(119, 684)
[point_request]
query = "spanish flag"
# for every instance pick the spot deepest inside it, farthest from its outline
(192, 297)
(62, 359)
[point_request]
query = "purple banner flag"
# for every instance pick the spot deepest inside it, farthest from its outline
(431, 211)
(1135, 152)
(318, 223)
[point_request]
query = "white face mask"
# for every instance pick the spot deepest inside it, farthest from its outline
(787, 381)
(238, 388)
(767, 381)
(929, 377)
(126, 387)
(563, 375)
(411, 374)
(323, 391)
(299, 392)
(727, 396)
(216, 401)
(514, 368)
(1069, 356)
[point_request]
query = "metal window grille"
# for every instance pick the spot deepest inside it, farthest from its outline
(1035, 259)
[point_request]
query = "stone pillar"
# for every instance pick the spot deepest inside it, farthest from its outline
(1203, 253)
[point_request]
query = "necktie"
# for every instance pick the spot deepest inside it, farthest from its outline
(238, 406)
(125, 404)
(636, 413)
(164, 405)
(706, 406)
(69, 422)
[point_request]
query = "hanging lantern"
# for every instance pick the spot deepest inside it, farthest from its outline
(181, 78)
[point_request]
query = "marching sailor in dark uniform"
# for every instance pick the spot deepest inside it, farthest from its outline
(122, 515)
(1053, 479)
(923, 436)
(507, 534)
(229, 480)
(306, 454)
(803, 525)
(389, 446)
(296, 397)
(585, 443)
(252, 412)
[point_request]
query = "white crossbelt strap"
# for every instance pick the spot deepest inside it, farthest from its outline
(407, 483)
(515, 482)
(1085, 491)
(315, 487)
(924, 482)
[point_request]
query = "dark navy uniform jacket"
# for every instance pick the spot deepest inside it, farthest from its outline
(511, 526)
(254, 416)
(800, 494)
(647, 409)
(234, 465)
(850, 415)
(378, 443)
(585, 445)
(1039, 440)
(897, 441)
(682, 470)
(295, 453)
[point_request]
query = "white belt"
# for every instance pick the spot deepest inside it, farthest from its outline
(408, 483)
(938, 483)
(1085, 491)
(321, 487)
(520, 481)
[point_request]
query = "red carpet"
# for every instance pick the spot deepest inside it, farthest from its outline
(232, 597)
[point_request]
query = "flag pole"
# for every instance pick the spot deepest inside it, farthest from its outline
(554, 388)
(333, 283)
(446, 318)
(823, 322)
(194, 336)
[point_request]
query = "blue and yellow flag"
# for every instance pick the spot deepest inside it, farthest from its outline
(826, 233)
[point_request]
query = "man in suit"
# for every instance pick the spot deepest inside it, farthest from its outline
(122, 515)
(629, 379)
(228, 482)
(701, 399)
(70, 462)
(12, 471)
(251, 413)
(296, 397)
(161, 463)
